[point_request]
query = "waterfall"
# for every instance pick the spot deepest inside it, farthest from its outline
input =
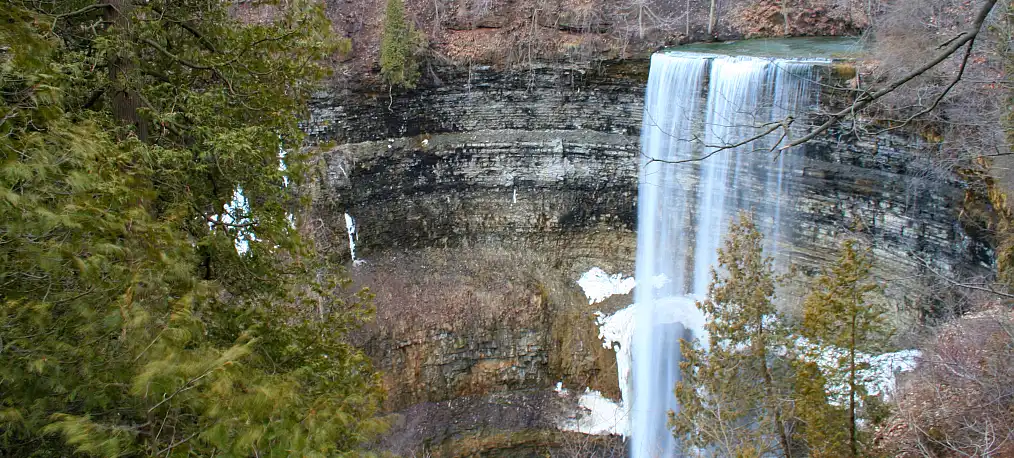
(698, 105)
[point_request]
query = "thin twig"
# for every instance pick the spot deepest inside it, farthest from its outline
(719, 148)
(186, 386)
(85, 10)
(177, 444)
(983, 288)
(866, 99)
(936, 101)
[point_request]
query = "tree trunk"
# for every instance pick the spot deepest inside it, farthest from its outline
(769, 388)
(126, 102)
(785, 17)
(688, 20)
(712, 17)
(852, 384)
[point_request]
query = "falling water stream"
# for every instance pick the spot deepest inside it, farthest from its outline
(696, 105)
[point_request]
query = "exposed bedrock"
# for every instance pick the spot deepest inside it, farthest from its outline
(480, 201)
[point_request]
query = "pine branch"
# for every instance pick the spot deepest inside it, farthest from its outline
(178, 59)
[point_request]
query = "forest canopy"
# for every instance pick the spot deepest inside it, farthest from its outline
(156, 297)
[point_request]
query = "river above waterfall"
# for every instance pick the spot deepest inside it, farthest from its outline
(782, 48)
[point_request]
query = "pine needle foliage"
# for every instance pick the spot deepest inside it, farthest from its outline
(730, 392)
(399, 47)
(843, 317)
(143, 312)
(820, 421)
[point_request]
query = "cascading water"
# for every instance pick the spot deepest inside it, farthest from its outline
(699, 106)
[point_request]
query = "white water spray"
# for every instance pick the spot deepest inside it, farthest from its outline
(697, 105)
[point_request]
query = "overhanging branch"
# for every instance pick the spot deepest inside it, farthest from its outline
(964, 38)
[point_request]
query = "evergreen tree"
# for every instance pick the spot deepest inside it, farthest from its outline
(156, 297)
(819, 419)
(399, 47)
(841, 318)
(730, 395)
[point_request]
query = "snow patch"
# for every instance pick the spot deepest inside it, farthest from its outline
(350, 226)
(596, 414)
(281, 165)
(879, 378)
(598, 285)
(884, 370)
(235, 215)
(617, 332)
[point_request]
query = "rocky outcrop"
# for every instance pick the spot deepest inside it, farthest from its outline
(480, 200)
(535, 155)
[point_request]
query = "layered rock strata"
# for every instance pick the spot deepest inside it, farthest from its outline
(479, 201)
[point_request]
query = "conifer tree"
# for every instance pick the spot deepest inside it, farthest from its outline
(399, 47)
(819, 419)
(730, 395)
(841, 319)
(156, 297)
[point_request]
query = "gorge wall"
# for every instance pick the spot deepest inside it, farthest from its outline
(480, 200)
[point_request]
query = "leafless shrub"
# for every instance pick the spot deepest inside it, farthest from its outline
(472, 11)
(958, 105)
(464, 289)
(577, 445)
(960, 400)
(638, 20)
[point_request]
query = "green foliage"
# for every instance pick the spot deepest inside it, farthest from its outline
(841, 318)
(819, 419)
(399, 47)
(143, 310)
(729, 396)
(763, 386)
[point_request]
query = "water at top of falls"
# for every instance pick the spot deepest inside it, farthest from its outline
(700, 107)
(788, 48)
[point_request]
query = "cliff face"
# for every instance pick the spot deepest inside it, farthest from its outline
(480, 201)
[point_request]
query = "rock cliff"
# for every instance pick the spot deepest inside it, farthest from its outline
(479, 201)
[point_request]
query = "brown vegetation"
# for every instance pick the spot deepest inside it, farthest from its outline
(511, 33)
(479, 319)
(957, 105)
(960, 400)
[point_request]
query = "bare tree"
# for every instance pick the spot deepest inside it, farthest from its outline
(712, 17)
(960, 401)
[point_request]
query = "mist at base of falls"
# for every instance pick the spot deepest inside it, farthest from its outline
(700, 106)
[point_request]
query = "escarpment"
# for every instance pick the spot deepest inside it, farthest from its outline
(478, 201)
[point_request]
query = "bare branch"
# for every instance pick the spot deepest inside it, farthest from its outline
(936, 101)
(975, 287)
(197, 34)
(89, 8)
(866, 99)
(772, 126)
(189, 64)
